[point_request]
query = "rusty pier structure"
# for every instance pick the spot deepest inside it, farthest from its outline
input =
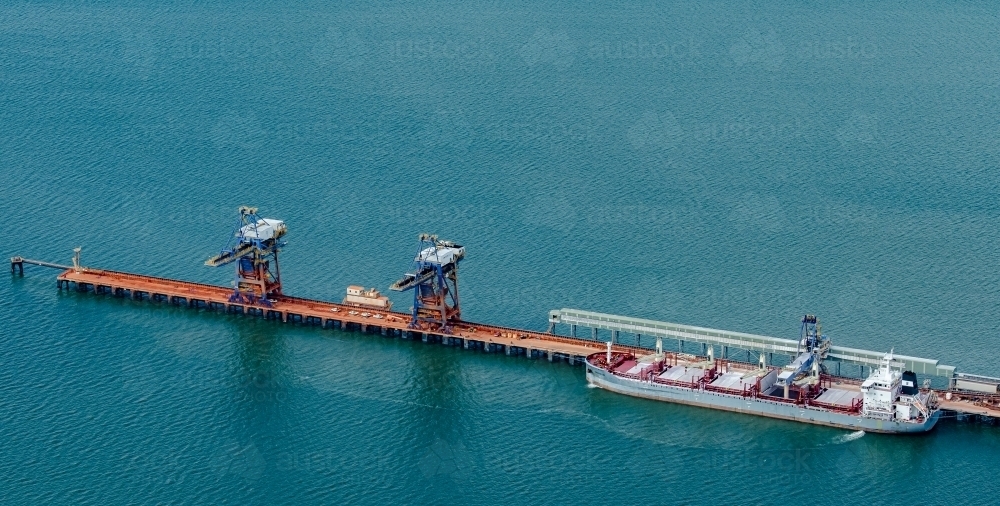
(332, 315)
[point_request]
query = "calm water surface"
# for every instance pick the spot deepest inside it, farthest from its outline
(712, 164)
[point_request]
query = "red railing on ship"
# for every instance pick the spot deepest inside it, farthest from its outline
(855, 406)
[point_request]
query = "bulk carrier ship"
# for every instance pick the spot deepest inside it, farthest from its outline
(888, 401)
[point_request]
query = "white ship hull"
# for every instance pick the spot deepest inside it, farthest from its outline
(753, 406)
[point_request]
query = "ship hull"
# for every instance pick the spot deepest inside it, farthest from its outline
(695, 397)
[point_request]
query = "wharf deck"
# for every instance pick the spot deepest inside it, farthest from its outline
(969, 406)
(296, 309)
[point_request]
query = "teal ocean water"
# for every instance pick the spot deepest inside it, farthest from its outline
(724, 165)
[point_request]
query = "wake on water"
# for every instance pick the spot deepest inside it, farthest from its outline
(847, 438)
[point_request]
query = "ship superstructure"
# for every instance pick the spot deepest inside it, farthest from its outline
(892, 394)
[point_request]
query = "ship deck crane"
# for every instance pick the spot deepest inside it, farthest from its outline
(253, 247)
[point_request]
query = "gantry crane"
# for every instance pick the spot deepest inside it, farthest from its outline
(434, 282)
(811, 350)
(254, 247)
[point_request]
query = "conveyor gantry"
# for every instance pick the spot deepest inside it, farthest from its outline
(740, 340)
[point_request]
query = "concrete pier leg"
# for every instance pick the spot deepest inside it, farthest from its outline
(725, 352)
(423, 337)
(572, 330)
(530, 353)
(572, 360)
(614, 336)
(550, 354)
(465, 344)
(593, 333)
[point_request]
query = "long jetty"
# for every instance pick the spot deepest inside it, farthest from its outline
(492, 338)
(332, 315)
